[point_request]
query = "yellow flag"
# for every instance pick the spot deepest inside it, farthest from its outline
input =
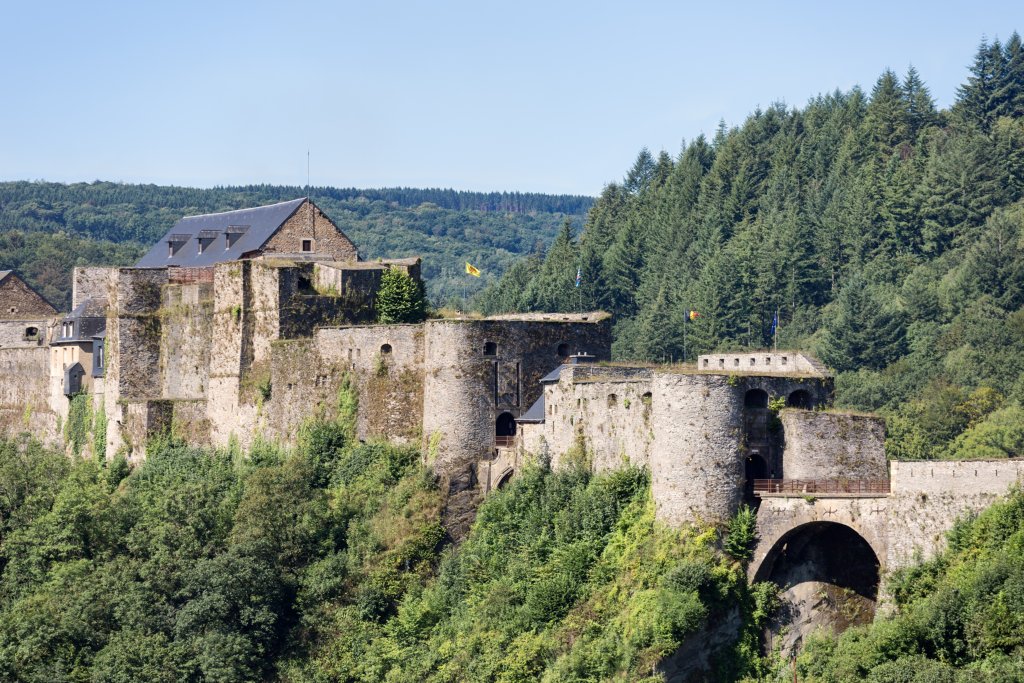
(472, 270)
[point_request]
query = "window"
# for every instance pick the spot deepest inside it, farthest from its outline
(752, 361)
(612, 400)
(307, 245)
(201, 245)
(385, 349)
(31, 333)
(705, 362)
(490, 349)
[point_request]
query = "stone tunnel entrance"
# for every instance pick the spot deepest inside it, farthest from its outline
(505, 430)
(829, 577)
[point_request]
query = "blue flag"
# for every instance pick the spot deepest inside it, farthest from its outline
(775, 324)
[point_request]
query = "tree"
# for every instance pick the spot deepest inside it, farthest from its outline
(864, 330)
(400, 299)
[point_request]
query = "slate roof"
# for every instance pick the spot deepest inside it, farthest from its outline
(535, 412)
(553, 376)
(255, 226)
(4, 274)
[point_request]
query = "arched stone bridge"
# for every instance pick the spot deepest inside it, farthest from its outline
(829, 551)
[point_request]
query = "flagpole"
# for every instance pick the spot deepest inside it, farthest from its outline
(686, 314)
(776, 329)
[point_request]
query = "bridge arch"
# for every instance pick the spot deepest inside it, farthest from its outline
(829, 575)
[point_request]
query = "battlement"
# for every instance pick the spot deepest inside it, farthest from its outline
(789, 363)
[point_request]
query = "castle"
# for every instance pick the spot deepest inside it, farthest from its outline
(243, 325)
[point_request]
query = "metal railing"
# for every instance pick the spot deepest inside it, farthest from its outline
(821, 486)
(504, 441)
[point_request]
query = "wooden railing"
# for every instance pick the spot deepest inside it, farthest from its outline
(504, 441)
(821, 486)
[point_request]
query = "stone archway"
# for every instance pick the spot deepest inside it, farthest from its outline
(505, 425)
(801, 398)
(829, 576)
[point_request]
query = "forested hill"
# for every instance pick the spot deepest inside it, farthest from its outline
(48, 228)
(886, 233)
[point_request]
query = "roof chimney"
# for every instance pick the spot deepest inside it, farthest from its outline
(581, 358)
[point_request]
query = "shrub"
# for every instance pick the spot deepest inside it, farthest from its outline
(742, 534)
(400, 298)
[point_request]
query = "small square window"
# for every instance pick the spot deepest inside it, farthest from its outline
(307, 245)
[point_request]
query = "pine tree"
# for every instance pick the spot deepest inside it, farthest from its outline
(887, 115)
(977, 100)
(641, 174)
(1010, 89)
(919, 105)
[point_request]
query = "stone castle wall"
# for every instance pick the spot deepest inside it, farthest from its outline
(24, 393)
(928, 496)
(609, 416)
(19, 334)
(186, 337)
(19, 302)
(696, 460)
(761, 363)
(465, 389)
(91, 282)
(309, 222)
(825, 445)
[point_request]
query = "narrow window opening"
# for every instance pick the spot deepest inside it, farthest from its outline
(307, 245)
(612, 400)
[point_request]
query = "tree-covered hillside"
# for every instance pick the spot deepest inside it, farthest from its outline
(887, 234)
(328, 563)
(48, 228)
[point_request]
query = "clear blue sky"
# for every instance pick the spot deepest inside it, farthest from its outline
(534, 96)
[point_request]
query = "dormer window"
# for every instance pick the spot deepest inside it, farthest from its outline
(233, 233)
(175, 243)
(205, 238)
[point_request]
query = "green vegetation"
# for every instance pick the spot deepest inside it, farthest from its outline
(329, 563)
(400, 299)
(960, 616)
(888, 234)
(48, 228)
